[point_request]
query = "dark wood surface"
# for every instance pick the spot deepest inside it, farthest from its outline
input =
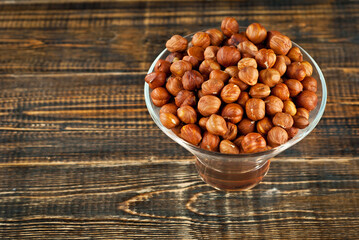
(81, 158)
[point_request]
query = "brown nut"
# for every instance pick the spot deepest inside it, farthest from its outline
(309, 83)
(216, 125)
(155, 79)
(302, 112)
(296, 70)
(281, 90)
(243, 98)
(246, 126)
(256, 33)
(284, 120)
(277, 136)
(247, 62)
(191, 133)
(231, 133)
(179, 67)
(280, 66)
(238, 141)
(273, 105)
(202, 122)
(255, 109)
(232, 71)
(192, 60)
(176, 43)
(211, 52)
(248, 75)
(253, 142)
(269, 76)
(300, 122)
(228, 56)
(185, 97)
(212, 86)
(187, 114)
(289, 107)
(264, 125)
(207, 66)
(173, 57)
(216, 36)
(308, 68)
(285, 58)
(192, 80)
(279, 43)
(210, 142)
(230, 93)
(239, 83)
(169, 108)
(232, 112)
(228, 147)
(219, 75)
(160, 96)
(292, 132)
(208, 105)
(266, 58)
(169, 120)
(201, 39)
(174, 85)
(163, 66)
(307, 99)
(294, 87)
(295, 55)
(229, 26)
(197, 52)
(237, 38)
(247, 49)
(259, 90)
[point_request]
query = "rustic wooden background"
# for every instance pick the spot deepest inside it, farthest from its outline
(81, 158)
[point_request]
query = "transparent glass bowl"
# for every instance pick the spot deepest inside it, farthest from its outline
(243, 171)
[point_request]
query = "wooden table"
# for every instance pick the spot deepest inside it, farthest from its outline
(81, 158)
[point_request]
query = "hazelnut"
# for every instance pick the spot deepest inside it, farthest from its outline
(169, 120)
(211, 52)
(269, 76)
(207, 66)
(247, 49)
(192, 80)
(185, 97)
(176, 43)
(197, 52)
(246, 126)
(208, 105)
(191, 133)
(202, 122)
(239, 83)
(210, 142)
(169, 108)
(229, 26)
(232, 112)
(187, 114)
(232, 71)
(174, 85)
(230, 93)
(215, 36)
(238, 141)
(256, 33)
(309, 83)
(228, 56)
(266, 58)
(295, 55)
(179, 67)
(160, 96)
(200, 94)
(192, 60)
(155, 79)
(280, 66)
(300, 122)
(279, 43)
(285, 58)
(255, 109)
(284, 120)
(302, 112)
(228, 147)
(264, 125)
(259, 90)
(201, 39)
(237, 38)
(243, 98)
(281, 90)
(292, 132)
(294, 87)
(308, 68)
(212, 86)
(163, 66)
(247, 62)
(248, 75)
(231, 133)
(307, 99)
(296, 70)
(216, 125)
(177, 130)
(277, 136)
(253, 142)
(173, 57)
(273, 105)
(219, 75)
(289, 107)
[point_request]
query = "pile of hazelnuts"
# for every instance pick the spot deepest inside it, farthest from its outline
(234, 92)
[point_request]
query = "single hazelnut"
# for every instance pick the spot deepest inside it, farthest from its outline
(308, 68)
(155, 79)
(185, 97)
(216, 36)
(207, 66)
(264, 125)
(239, 83)
(292, 132)
(230, 93)
(280, 66)
(300, 122)
(211, 52)
(238, 141)
(294, 87)
(197, 52)
(163, 66)
(247, 49)
(277, 136)
(256, 33)
(284, 120)
(231, 133)
(202, 122)
(177, 130)
(266, 58)
(192, 80)
(228, 56)
(212, 86)
(216, 125)
(285, 58)
(180, 67)
(307, 99)
(192, 60)
(229, 26)
(246, 126)
(169, 108)
(237, 38)
(174, 85)
(243, 98)
(247, 62)
(208, 105)
(309, 83)
(169, 120)
(210, 142)
(201, 39)
(269, 76)
(281, 90)
(259, 90)
(228, 147)
(248, 75)
(160, 96)
(232, 112)
(173, 57)
(289, 107)
(200, 94)
(302, 112)
(296, 70)
(232, 71)
(253, 142)
(187, 114)
(219, 75)
(273, 105)
(191, 133)
(295, 55)
(255, 109)
(176, 43)
(279, 43)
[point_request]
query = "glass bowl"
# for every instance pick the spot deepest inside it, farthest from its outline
(232, 171)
